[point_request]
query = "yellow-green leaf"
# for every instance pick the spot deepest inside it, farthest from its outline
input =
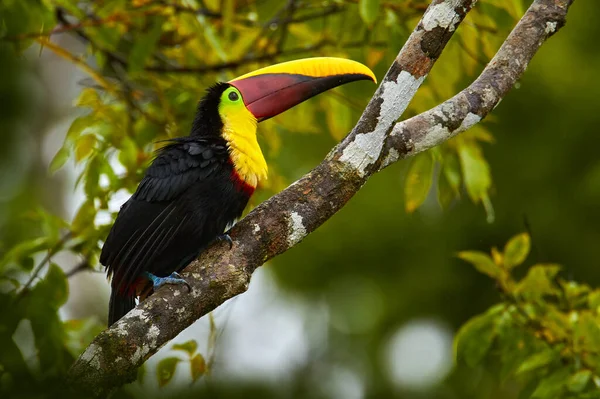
(59, 159)
(578, 381)
(84, 217)
(551, 387)
(539, 281)
(368, 10)
(516, 250)
(85, 145)
(418, 181)
(190, 347)
(129, 154)
(476, 336)
(537, 360)
(144, 46)
(445, 192)
(451, 170)
(79, 125)
(338, 117)
(475, 170)
(166, 370)
(197, 366)
(482, 262)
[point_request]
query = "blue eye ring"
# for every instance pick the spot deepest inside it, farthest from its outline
(233, 96)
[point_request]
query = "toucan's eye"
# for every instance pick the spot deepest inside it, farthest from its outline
(233, 96)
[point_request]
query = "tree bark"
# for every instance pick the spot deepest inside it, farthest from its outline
(283, 221)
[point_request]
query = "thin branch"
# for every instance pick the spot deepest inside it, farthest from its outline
(38, 269)
(274, 226)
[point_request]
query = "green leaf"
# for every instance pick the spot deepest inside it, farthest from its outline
(451, 170)
(91, 184)
(84, 146)
(80, 124)
(516, 250)
(197, 366)
(588, 331)
(128, 155)
(578, 381)
(190, 347)
(539, 281)
(537, 360)
(418, 181)
(476, 336)
(58, 287)
(551, 387)
(594, 300)
(144, 46)
(482, 262)
(59, 159)
(165, 370)
(445, 192)
(338, 117)
(24, 249)
(368, 10)
(88, 98)
(475, 170)
(85, 217)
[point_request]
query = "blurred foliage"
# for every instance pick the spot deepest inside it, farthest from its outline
(545, 333)
(148, 63)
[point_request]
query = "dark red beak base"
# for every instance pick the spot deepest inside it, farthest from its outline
(268, 95)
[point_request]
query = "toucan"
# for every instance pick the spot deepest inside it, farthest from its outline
(197, 186)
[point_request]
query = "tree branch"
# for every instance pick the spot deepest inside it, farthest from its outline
(284, 220)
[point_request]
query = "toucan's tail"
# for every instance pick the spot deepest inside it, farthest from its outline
(119, 305)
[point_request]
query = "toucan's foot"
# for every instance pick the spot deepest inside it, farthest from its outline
(225, 237)
(174, 278)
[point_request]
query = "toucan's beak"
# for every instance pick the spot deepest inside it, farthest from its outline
(270, 91)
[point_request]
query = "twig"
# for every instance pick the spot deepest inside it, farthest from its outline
(38, 269)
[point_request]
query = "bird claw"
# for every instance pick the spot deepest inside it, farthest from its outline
(225, 237)
(174, 278)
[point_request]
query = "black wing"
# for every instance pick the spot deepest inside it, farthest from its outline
(149, 220)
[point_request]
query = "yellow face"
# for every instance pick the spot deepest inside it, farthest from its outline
(239, 130)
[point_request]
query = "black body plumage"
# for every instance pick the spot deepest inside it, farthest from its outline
(186, 199)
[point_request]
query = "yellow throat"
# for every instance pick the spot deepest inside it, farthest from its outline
(239, 130)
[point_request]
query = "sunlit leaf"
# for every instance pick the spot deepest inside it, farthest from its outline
(129, 154)
(451, 170)
(476, 336)
(197, 366)
(84, 218)
(418, 181)
(578, 381)
(482, 262)
(165, 370)
(189, 346)
(539, 281)
(85, 145)
(475, 170)
(537, 360)
(551, 387)
(588, 331)
(516, 250)
(61, 157)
